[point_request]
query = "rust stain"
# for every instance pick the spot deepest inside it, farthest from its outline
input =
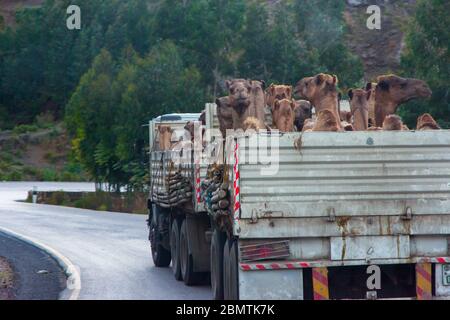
(342, 223)
(389, 229)
(344, 248)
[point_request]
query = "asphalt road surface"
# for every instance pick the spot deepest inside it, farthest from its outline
(111, 250)
(37, 276)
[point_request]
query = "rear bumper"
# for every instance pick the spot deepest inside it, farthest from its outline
(277, 265)
(299, 280)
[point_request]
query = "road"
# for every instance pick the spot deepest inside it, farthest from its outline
(110, 249)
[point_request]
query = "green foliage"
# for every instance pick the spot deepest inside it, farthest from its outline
(133, 60)
(427, 57)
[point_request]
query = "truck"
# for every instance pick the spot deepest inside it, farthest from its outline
(333, 215)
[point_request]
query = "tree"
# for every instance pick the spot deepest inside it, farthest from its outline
(427, 56)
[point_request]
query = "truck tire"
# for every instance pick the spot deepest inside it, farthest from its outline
(190, 277)
(161, 256)
(217, 245)
(175, 249)
(230, 271)
(234, 272)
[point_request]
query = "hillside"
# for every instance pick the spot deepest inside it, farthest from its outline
(379, 50)
(9, 7)
(37, 154)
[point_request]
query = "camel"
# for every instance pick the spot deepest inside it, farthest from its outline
(327, 121)
(427, 122)
(393, 123)
(246, 99)
(392, 91)
(224, 114)
(251, 123)
(345, 116)
(321, 91)
(302, 112)
(277, 92)
(359, 106)
(165, 137)
(308, 125)
(284, 116)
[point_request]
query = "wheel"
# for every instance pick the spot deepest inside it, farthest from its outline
(175, 249)
(161, 256)
(226, 270)
(186, 262)
(230, 270)
(217, 244)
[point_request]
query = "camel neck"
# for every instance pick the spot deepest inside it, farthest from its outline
(361, 119)
(383, 108)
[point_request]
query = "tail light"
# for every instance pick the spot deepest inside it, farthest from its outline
(265, 251)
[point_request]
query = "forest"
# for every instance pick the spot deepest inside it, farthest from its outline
(136, 59)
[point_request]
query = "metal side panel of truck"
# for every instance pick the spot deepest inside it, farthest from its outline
(339, 203)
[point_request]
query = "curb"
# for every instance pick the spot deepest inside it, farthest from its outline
(72, 273)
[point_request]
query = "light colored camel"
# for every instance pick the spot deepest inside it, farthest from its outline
(321, 90)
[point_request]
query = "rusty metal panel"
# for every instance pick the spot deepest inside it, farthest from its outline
(367, 248)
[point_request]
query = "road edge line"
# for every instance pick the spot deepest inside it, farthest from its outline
(68, 267)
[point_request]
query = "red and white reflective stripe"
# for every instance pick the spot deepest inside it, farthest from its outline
(237, 203)
(252, 266)
(440, 260)
(274, 266)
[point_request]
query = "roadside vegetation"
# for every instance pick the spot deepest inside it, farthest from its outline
(135, 202)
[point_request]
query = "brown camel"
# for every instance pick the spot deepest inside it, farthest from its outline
(308, 125)
(224, 114)
(321, 91)
(165, 137)
(427, 122)
(346, 116)
(393, 123)
(246, 99)
(359, 106)
(327, 121)
(277, 92)
(284, 116)
(302, 111)
(392, 91)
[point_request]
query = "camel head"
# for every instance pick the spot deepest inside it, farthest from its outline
(302, 111)
(392, 91)
(278, 92)
(165, 137)
(284, 115)
(240, 92)
(393, 123)
(327, 121)
(359, 106)
(427, 122)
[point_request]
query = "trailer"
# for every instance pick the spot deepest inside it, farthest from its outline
(311, 216)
